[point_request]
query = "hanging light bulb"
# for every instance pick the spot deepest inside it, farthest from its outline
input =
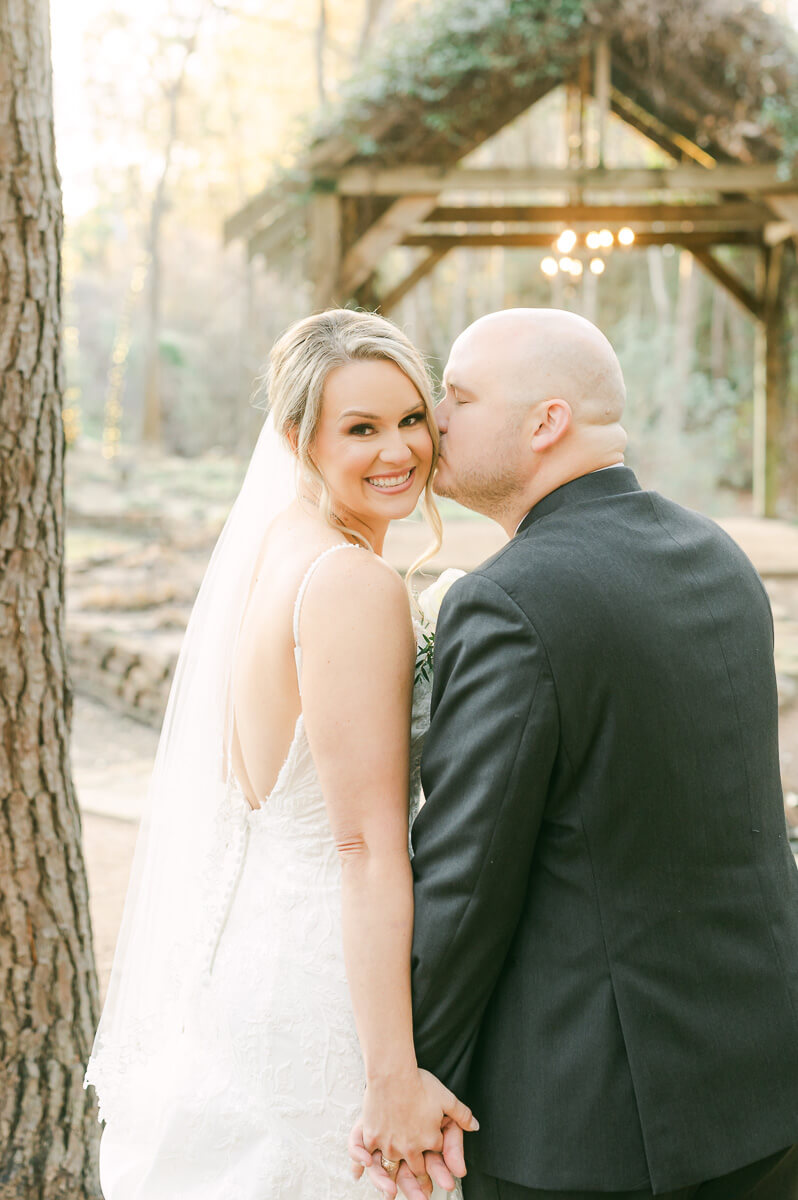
(626, 236)
(576, 268)
(605, 238)
(597, 266)
(549, 266)
(593, 240)
(565, 265)
(566, 241)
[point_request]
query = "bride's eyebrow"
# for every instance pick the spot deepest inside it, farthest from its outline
(353, 412)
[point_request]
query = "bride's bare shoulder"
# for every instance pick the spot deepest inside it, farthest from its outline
(297, 545)
(354, 589)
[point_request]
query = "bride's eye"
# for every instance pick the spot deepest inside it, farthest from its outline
(414, 418)
(362, 430)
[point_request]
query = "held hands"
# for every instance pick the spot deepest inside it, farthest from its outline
(415, 1121)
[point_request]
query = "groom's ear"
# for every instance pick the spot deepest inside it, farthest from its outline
(551, 420)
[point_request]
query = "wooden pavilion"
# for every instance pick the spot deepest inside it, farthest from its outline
(712, 83)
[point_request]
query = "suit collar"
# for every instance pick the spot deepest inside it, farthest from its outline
(596, 485)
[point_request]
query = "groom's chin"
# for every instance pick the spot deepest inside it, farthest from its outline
(441, 486)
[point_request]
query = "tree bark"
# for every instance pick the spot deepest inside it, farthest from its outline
(49, 1004)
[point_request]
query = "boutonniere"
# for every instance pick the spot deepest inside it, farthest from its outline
(429, 602)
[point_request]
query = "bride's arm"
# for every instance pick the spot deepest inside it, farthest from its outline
(358, 655)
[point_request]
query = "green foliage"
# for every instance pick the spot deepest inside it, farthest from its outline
(447, 57)
(781, 113)
(171, 351)
(451, 44)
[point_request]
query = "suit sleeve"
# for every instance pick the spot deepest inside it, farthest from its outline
(487, 761)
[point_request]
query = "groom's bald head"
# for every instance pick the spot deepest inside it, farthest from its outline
(545, 353)
(534, 397)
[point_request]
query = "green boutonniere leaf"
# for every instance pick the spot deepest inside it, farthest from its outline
(424, 657)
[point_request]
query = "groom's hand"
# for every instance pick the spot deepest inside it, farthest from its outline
(442, 1168)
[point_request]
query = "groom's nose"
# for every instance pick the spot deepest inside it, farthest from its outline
(442, 415)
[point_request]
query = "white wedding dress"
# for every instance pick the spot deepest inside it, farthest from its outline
(257, 1095)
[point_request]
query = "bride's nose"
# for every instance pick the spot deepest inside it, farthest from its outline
(395, 450)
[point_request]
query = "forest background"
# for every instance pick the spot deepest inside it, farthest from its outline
(171, 113)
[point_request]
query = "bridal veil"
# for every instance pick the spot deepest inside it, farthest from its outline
(159, 954)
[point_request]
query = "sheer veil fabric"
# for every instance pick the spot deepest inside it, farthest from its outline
(162, 941)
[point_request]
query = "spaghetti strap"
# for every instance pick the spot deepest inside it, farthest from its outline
(300, 596)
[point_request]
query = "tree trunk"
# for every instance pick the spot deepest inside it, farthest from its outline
(717, 338)
(320, 46)
(152, 419)
(662, 305)
(376, 12)
(683, 342)
(48, 1125)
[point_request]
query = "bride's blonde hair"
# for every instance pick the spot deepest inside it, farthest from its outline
(300, 361)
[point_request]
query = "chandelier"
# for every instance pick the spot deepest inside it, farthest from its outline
(572, 256)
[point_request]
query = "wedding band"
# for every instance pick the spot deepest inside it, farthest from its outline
(388, 1165)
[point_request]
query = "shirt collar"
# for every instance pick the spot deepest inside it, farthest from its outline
(583, 487)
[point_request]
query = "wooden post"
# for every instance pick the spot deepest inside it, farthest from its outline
(768, 383)
(602, 77)
(324, 228)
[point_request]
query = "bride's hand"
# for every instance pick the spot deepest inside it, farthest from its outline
(444, 1168)
(403, 1116)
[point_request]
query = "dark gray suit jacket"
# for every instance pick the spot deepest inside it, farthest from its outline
(605, 956)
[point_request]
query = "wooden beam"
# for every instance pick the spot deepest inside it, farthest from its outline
(274, 239)
(699, 238)
(325, 249)
(657, 131)
(602, 84)
(410, 181)
(743, 214)
(785, 207)
(777, 231)
(745, 296)
(325, 158)
(388, 230)
(398, 293)
(239, 223)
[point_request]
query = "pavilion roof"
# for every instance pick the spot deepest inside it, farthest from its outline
(720, 75)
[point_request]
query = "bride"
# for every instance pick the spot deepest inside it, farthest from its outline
(260, 993)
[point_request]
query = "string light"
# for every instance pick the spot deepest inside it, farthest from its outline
(593, 240)
(549, 267)
(566, 241)
(605, 238)
(626, 236)
(597, 266)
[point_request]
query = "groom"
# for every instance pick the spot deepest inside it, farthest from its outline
(605, 955)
